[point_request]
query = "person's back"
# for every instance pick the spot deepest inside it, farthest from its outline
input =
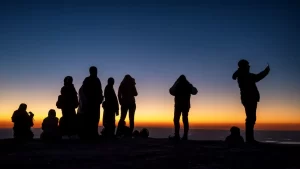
(111, 100)
(247, 81)
(92, 89)
(50, 123)
(50, 126)
(127, 91)
(235, 138)
(183, 94)
(20, 119)
(182, 90)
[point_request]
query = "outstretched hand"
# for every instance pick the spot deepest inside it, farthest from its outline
(268, 67)
(31, 114)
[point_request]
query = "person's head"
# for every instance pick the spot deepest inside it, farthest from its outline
(68, 80)
(182, 79)
(244, 65)
(127, 79)
(235, 131)
(93, 71)
(51, 113)
(22, 107)
(144, 133)
(111, 81)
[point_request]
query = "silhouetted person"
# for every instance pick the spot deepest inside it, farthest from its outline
(111, 108)
(182, 90)
(144, 133)
(80, 114)
(68, 102)
(123, 130)
(126, 93)
(50, 127)
(235, 138)
(249, 94)
(92, 90)
(136, 134)
(23, 122)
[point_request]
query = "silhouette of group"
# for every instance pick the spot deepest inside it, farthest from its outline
(85, 122)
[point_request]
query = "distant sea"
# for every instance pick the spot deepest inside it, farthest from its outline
(284, 137)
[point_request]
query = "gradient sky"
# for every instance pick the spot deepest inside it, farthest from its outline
(155, 42)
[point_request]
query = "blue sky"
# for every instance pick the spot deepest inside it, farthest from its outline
(155, 42)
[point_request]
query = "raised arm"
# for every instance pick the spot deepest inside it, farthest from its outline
(235, 75)
(135, 93)
(13, 118)
(258, 77)
(194, 90)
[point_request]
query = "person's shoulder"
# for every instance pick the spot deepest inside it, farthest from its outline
(86, 79)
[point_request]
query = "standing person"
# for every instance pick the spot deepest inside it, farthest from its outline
(92, 90)
(23, 122)
(81, 114)
(182, 90)
(68, 102)
(126, 93)
(249, 94)
(111, 108)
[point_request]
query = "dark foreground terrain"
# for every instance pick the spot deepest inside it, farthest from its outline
(148, 153)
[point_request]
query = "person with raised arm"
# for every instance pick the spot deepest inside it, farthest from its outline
(182, 90)
(250, 95)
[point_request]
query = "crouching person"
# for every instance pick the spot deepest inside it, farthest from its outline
(23, 121)
(50, 127)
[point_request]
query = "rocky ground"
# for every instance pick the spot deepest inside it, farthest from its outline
(146, 153)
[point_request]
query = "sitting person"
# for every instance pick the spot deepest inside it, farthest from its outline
(144, 133)
(50, 127)
(123, 130)
(23, 122)
(235, 138)
(135, 134)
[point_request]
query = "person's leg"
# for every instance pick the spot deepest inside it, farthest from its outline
(104, 118)
(250, 109)
(185, 121)
(177, 114)
(96, 120)
(124, 109)
(110, 123)
(132, 109)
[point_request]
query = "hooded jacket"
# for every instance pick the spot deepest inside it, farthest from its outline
(247, 84)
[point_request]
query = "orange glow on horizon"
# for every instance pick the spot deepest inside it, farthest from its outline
(207, 110)
(217, 126)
